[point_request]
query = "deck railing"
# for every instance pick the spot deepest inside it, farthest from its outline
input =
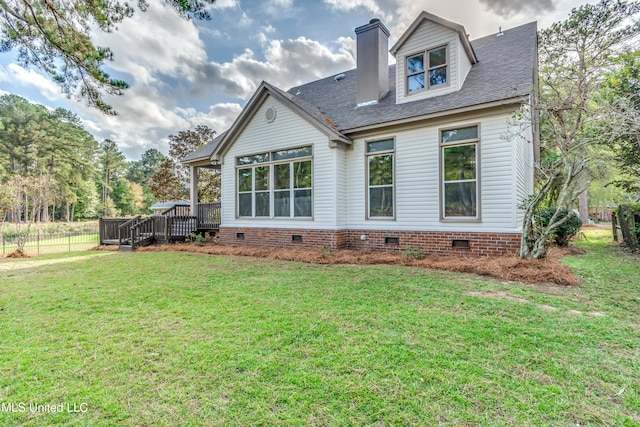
(142, 232)
(124, 231)
(109, 229)
(165, 228)
(178, 210)
(208, 215)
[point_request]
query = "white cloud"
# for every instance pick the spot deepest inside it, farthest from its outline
(144, 53)
(282, 3)
(225, 4)
(16, 74)
(373, 6)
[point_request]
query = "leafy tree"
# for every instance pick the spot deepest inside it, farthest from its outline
(141, 170)
(112, 162)
(624, 99)
(8, 202)
(55, 36)
(88, 201)
(573, 55)
(172, 181)
(124, 198)
(166, 185)
(38, 142)
(28, 197)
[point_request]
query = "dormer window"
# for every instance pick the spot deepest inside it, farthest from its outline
(432, 63)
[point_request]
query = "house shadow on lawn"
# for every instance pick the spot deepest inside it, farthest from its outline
(508, 268)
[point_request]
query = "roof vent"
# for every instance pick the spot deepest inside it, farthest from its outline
(270, 114)
(339, 77)
(500, 33)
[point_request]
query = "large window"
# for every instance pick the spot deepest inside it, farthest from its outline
(380, 171)
(459, 172)
(290, 195)
(427, 69)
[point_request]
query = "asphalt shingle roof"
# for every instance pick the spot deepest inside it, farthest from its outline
(205, 151)
(505, 70)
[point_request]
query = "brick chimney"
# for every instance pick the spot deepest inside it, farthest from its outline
(372, 61)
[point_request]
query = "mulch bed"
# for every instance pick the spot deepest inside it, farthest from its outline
(508, 268)
(18, 254)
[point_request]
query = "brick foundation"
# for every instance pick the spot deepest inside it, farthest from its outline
(431, 242)
(283, 237)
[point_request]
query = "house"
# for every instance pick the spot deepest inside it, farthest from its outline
(158, 208)
(426, 153)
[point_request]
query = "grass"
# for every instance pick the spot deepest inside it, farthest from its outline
(162, 338)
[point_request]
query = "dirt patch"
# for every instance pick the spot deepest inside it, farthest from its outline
(509, 268)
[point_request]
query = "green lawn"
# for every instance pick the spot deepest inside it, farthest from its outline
(161, 338)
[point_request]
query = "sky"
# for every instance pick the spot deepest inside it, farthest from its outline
(184, 73)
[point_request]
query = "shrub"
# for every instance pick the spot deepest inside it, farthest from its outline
(566, 231)
(410, 252)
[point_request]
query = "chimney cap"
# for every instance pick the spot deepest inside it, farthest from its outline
(373, 23)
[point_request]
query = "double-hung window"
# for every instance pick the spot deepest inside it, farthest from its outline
(275, 184)
(380, 178)
(253, 185)
(459, 172)
(427, 69)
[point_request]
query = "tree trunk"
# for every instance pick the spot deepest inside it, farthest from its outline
(583, 207)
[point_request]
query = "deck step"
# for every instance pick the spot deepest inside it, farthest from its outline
(125, 248)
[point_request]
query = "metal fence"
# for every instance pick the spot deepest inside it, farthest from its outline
(48, 243)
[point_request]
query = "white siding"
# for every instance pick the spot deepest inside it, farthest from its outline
(523, 148)
(289, 130)
(417, 180)
(464, 66)
(429, 35)
(341, 188)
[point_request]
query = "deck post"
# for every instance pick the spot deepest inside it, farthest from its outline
(193, 173)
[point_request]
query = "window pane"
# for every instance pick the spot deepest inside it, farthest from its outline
(372, 147)
(291, 154)
(438, 76)
(302, 203)
(415, 64)
(381, 170)
(460, 199)
(262, 203)
(249, 160)
(244, 179)
(416, 82)
(262, 178)
(244, 204)
(381, 201)
(281, 203)
(460, 162)
(437, 57)
(461, 134)
(302, 174)
(281, 176)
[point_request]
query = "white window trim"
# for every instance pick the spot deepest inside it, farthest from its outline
(367, 155)
(441, 146)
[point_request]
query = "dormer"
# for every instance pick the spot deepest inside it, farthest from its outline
(433, 58)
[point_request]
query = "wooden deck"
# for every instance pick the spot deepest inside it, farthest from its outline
(172, 226)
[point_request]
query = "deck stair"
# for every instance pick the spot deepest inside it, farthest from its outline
(173, 225)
